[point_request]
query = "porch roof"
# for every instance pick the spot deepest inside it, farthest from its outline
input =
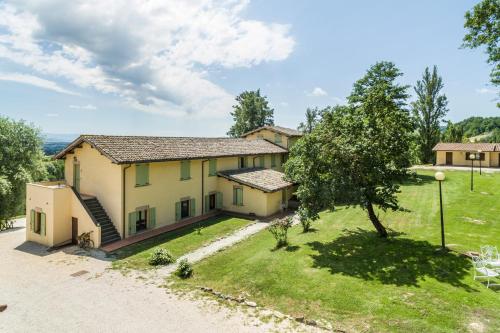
(267, 180)
(444, 146)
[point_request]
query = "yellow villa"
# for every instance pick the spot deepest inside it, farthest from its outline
(458, 154)
(119, 186)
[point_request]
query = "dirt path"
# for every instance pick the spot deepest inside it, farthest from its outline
(66, 291)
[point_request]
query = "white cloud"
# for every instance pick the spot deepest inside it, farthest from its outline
(317, 92)
(34, 81)
(284, 104)
(52, 115)
(486, 91)
(83, 107)
(156, 55)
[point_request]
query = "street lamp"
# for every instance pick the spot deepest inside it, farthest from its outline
(472, 157)
(479, 155)
(440, 177)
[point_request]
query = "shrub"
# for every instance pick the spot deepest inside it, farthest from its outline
(161, 257)
(279, 229)
(185, 269)
(306, 224)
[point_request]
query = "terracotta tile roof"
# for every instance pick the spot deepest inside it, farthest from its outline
(136, 149)
(267, 180)
(278, 129)
(467, 146)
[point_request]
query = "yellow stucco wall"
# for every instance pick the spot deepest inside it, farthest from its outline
(490, 159)
(59, 204)
(99, 177)
(270, 136)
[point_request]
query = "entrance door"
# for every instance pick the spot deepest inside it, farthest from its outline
(211, 201)
(74, 230)
(184, 209)
(76, 176)
(449, 158)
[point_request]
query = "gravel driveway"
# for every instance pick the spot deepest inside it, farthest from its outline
(67, 291)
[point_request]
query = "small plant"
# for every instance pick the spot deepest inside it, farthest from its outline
(185, 269)
(161, 257)
(279, 229)
(198, 230)
(306, 224)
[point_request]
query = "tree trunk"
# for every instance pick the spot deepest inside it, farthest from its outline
(375, 221)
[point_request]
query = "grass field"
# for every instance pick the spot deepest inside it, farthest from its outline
(178, 242)
(344, 273)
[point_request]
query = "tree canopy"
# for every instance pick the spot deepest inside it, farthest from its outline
(21, 161)
(428, 111)
(312, 118)
(252, 111)
(357, 153)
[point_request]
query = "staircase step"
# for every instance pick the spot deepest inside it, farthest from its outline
(109, 234)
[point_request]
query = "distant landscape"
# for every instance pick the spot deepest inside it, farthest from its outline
(54, 143)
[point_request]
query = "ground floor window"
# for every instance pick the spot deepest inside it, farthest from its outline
(142, 220)
(184, 209)
(238, 196)
(212, 201)
(38, 222)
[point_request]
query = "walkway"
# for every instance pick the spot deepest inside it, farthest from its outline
(219, 245)
(452, 167)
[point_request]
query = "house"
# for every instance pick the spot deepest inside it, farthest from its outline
(118, 186)
(282, 136)
(459, 153)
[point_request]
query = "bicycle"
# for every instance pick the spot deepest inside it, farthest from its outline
(84, 241)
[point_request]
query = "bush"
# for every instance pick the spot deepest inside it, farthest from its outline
(306, 224)
(161, 257)
(279, 229)
(185, 269)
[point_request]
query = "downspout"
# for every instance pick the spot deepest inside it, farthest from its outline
(123, 200)
(202, 187)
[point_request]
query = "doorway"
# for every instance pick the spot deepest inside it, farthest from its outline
(184, 209)
(211, 201)
(449, 158)
(74, 230)
(142, 220)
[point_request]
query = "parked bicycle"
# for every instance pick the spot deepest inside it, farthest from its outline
(4, 225)
(84, 241)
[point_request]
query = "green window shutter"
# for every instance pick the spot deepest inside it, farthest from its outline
(185, 170)
(192, 207)
(245, 165)
(142, 174)
(43, 220)
(207, 203)
(273, 161)
(32, 220)
(177, 211)
(235, 200)
(277, 138)
(212, 167)
(218, 200)
(152, 218)
(239, 196)
(261, 161)
(132, 220)
(145, 174)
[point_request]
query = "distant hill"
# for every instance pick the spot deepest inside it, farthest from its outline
(481, 129)
(54, 143)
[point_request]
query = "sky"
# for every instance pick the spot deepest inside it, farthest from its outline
(173, 68)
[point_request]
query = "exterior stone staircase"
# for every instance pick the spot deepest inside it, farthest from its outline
(109, 234)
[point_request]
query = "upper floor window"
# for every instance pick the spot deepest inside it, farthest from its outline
(273, 160)
(212, 167)
(277, 138)
(261, 161)
(142, 174)
(238, 196)
(242, 162)
(185, 170)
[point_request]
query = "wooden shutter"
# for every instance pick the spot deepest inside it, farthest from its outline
(43, 220)
(141, 174)
(152, 218)
(212, 167)
(235, 194)
(273, 161)
(261, 161)
(239, 196)
(246, 162)
(132, 220)
(218, 200)
(192, 207)
(277, 138)
(32, 220)
(185, 170)
(207, 203)
(177, 211)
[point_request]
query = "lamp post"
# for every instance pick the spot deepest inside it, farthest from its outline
(472, 157)
(479, 155)
(440, 177)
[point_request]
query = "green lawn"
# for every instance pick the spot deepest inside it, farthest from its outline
(344, 273)
(178, 242)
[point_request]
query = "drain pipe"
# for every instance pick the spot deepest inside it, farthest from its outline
(202, 186)
(123, 199)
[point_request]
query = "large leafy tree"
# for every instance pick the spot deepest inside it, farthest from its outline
(428, 111)
(358, 153)
(483, 29)
(312, 118)
(453, 133)
(252, 111)
(21, 161)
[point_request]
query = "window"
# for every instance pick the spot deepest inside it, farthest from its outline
(38, 222)
(261, 161)
(273, 161)
(141, 222)
(242, 162)
(481, 155)
(185, 170)
(212, 167)
(142, 174)
(141, 219)
(238, 196)
(213, 201)
(184, 209)
(277, 138)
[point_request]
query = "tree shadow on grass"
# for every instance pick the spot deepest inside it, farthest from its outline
(398, 261)
(418, 180)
